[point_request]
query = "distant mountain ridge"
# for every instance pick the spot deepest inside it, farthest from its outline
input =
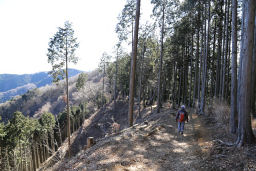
(12, 85)
(49, 98)
(7, 95)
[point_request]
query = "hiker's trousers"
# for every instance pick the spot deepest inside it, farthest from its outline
(181, 126)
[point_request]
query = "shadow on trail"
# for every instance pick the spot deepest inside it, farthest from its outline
(152, 146)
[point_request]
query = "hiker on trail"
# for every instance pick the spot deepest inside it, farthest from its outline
(181, 117)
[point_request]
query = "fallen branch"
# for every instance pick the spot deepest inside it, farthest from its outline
(220, 155)
(224, 143)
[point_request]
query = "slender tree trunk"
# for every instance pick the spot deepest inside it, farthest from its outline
(225, 50)
(40, 152)
(132, 34)
(195, 96)
(37, 157)
(45, 150)
(200, 69)
(21, 157)
(218, 72)
(133, 65)
(191, 69)
(47, 146)
(180, 83)
(183, 74)
(213, 66)
(7, 160)
(67, 94)
(233, 116)
(141, 74)
(174, 84)
(228, 62)
(159, 94)
(115, 82)
(245, 134)
(59, 131)
(239, 126)
(25, 157)
(52, 142)
(222, 74)
(73, 124)
(164, 86)
(103, 85)
(205, 61)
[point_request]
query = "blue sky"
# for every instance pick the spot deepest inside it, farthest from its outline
(27, 26)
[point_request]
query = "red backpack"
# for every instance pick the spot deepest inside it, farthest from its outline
(182, 116)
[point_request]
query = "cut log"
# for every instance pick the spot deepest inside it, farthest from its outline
(90, 142)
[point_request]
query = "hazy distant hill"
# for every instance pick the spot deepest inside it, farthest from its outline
(49, 98)
(12, 85)
(4, 96)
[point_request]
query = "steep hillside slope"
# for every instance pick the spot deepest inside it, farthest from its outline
(50, 97)
(12, 84)
(99, 125)
(154, 145)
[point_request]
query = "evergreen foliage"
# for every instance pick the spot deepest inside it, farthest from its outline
(190, 61)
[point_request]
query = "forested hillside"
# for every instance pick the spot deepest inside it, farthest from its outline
(13, 84)
(37, 120)
(194, 55)
(50, 98)
(7, 95)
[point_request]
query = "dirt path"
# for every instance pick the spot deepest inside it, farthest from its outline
(152, 145)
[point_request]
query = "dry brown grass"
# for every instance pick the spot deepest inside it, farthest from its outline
(221, 112)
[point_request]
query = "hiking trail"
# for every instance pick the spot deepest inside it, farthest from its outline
(151, 145)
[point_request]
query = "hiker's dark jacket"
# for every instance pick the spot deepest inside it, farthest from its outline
(182, 111)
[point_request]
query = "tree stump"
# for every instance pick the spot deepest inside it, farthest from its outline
(90, 142)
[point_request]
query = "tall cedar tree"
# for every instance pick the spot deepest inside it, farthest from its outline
(133, 64)
(206, 54)
(126, 19)
(233, 115)
(61, 51)
(104, 60)
(245, 134)
(116, 72)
